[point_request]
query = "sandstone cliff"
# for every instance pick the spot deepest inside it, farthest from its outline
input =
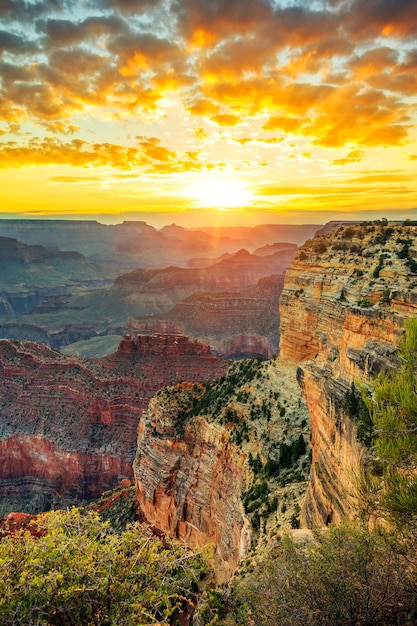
(347, 295)
(68, 426)
(225, 463)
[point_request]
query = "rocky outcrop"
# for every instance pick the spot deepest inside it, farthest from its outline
(190, 487)
(68, 426)
(347, 296)
(210, 462)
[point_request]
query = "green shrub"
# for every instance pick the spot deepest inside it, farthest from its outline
(79, 572)
(348, 576)
(393, 411)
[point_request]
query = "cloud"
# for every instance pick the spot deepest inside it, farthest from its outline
(26, 12)
(334, 75)
(74, 179)
(373, 61)
(354, 156)
(148, 155)
(367, 20)
(225, 119)
(64, 32)
(201, 133)
(133, 6)
(204, 23)
(285, 123)
(13, 44)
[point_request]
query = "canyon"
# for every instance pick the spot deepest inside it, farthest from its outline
(236, 324)
(68, 425)
(227, 462)
(52, 296)
(119, 248)
(345, 302)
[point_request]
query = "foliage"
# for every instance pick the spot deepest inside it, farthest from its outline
(379, 267)
(213, 395)
(80, 572)
(348, 576)
(385, 296)
(356, 408)
(290, 453)
(365, 303)
(393, 409)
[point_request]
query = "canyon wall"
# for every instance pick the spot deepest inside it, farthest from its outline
(190, 486)
(346, 299)
(225, 464)
(68, 426)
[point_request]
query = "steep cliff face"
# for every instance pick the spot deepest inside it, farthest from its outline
(224, 464)
(68, 426)
(347, 295)
(191, 487)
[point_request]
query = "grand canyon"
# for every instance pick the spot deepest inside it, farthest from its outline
(226, 453)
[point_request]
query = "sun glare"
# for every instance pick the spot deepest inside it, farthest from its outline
(220, 194)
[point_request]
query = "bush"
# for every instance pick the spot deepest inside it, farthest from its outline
(79, 572)
(349, 576)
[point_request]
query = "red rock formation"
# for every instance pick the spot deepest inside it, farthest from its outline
(190, 487)
(343, 308)
(195, 454)
(68, 426)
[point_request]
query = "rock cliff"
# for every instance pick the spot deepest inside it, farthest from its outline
(68, 426)
(347, 295)
(225, 463)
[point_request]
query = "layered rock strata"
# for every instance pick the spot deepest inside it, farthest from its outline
(210, 466)
(237, 324)
(346, 298)
(68, 426)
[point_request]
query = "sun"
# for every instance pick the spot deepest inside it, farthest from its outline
(220, 193)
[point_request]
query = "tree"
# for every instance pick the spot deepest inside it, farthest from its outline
(392, 404)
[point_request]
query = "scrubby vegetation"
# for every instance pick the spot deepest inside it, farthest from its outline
(346, 576)
(77, 569)
(391, 482)
(72, 569)
(357, 573)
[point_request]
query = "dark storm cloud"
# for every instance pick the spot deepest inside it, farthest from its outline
(62, 32)
(387, 17)
(14, 44)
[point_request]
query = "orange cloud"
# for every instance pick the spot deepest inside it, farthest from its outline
(74, 179)
(201, 133)
(354, 156)
(368, 20)
(225, 120)
(284, 123)
(149, 155)
(202, 107)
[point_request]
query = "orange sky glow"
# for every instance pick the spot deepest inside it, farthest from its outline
(194, 111)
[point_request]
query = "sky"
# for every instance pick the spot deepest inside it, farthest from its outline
(238, 112)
